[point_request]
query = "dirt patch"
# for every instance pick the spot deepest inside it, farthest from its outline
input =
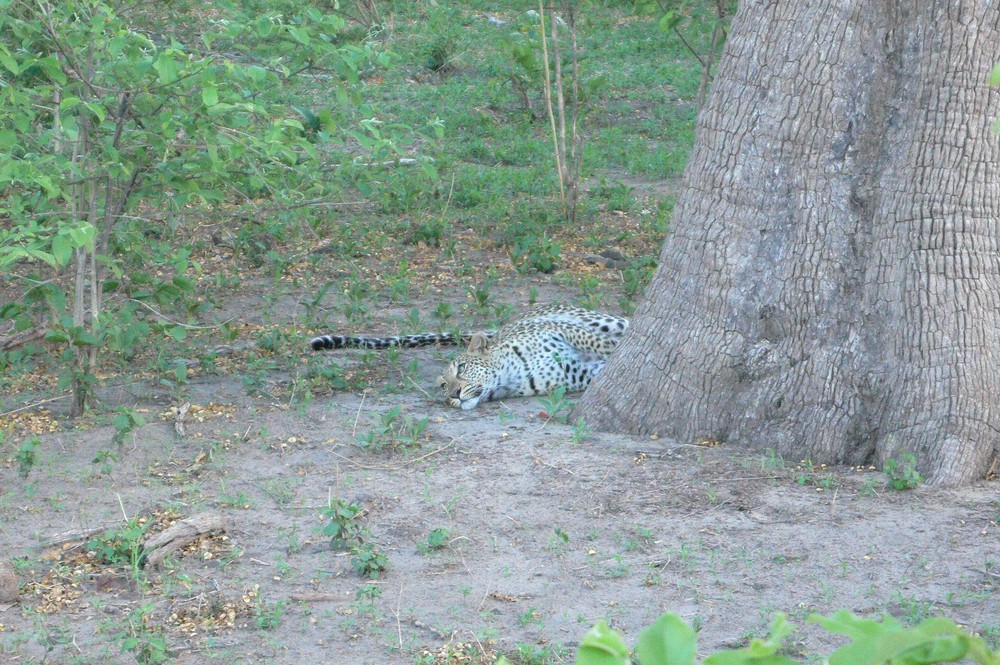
(501, 531)
(540, 531)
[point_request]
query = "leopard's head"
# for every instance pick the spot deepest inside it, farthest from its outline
(468, 379)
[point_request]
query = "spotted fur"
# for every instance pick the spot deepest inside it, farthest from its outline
(550, 346)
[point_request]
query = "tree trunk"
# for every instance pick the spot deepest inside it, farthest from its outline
(831, 288)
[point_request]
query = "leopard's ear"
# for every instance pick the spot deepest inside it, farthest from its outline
(478, 344)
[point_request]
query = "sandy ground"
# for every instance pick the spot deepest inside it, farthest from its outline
(540, 530)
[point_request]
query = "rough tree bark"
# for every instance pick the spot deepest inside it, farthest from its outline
(831, 286)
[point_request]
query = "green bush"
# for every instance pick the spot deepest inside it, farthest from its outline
(671, 641)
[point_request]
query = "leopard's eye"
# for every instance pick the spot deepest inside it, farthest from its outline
(459, 368)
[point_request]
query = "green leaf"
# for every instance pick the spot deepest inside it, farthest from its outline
(299, 35)
(209, 93)
(670, 21)
(760, 652)
(873, 643)
(42, 256)
(84, 338)
(50, 65)
(183, 283)
(8, 139)
(45, 182)
(995, 75)
(96, 109)
(62, 249)
(669, 641)
(8, 62)
(69, 102)
(122, 422)
(56, 336)
(82, 235)
(116, 44)
(70, 125)
(602, 646)
(166, 66)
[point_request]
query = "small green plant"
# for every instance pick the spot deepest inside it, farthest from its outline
(368, 592)
(437, 539)
(282, 568)
(121, 547)
(439, 50)
(105, 458)
(652, 577)
(815, 475)
(634, 281)
(869, 487)
(357, 293)
(173, 376)
(346, 532)
(281, 490)
(292, 543)
(240, 500)
(432, 231)
(344, 529)
(771, 460)
(268, 616)
(392, 431)
(481, 294)
(619, 569)
(555, 405)
(413, 319)
(380, 435)
(257, 378)
(539, 253)
(399, 284)
(533, 654)
(26, 455)
(558, 540)
(528, 617)
(368, 561)
(443, 312)
(619, 196)
(323, 375)
(902, 474)
(147, 645)
(581, 432)
(126, 422)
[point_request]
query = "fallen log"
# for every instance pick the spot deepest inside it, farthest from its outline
(19, 339)
(160, 546)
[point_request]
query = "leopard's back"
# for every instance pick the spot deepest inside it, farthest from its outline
(602, 325)
(547, 348)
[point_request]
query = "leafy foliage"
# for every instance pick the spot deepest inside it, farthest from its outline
(26, 455)
(343, 529)
(671, 641)
(103, 120)
(346, 532)
(903, 474)
(121, 547)
(147, 644)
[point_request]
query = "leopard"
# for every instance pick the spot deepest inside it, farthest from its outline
(549, 347)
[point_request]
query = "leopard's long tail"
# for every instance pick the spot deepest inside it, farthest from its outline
(325, 342)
